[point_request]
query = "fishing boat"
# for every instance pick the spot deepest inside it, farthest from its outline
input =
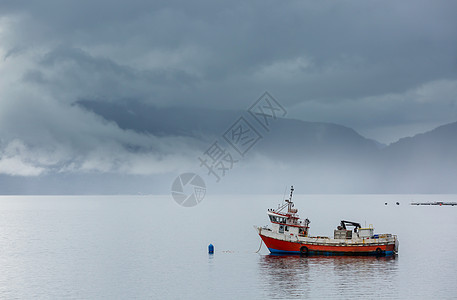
(290, 235)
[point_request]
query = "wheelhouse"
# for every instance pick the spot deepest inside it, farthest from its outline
(285, 219)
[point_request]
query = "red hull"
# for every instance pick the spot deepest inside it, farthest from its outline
(280, 246)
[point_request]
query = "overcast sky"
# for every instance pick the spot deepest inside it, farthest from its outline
(388, 69)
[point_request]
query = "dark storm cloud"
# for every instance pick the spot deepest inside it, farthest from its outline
(74, 70)
(353, 49)
(377, 66)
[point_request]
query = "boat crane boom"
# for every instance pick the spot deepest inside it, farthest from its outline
(355, 224)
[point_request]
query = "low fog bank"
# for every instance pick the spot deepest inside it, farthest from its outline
(258, 175)
(141, 151)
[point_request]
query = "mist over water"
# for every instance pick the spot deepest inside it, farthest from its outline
(160, 144)
(122, 247)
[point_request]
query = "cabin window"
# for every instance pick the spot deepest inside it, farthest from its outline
(278, 219)
(286, 228)
(281, 228)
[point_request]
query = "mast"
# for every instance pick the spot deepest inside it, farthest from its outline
(289, 208)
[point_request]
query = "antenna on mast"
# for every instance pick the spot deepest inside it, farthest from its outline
(291, 192)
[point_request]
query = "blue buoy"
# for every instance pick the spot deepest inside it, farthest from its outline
(210, 249)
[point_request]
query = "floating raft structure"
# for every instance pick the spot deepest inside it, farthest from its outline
(439, 203)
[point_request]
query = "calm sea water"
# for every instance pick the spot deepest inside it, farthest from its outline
(148, 247)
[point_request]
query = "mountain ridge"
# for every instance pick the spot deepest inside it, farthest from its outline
(321, 157)
(327, 152)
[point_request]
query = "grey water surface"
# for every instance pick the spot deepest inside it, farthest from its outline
(148, 247)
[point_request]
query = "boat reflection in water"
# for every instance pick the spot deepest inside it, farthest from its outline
(292, 276)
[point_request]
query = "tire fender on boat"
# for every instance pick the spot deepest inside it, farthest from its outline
(304, 250)
(378, 251)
